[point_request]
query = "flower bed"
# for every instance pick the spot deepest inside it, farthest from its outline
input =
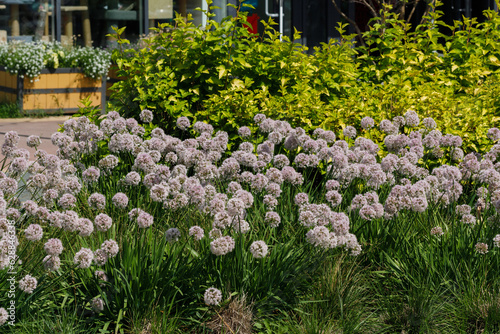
(127, 219)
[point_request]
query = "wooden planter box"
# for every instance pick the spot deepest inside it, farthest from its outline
(54, 91)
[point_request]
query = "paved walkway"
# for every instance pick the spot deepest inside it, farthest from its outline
(25, 127)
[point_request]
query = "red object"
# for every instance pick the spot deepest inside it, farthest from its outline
(253, 20)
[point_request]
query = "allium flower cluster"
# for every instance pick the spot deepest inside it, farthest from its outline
(83, 258)
(222, 245)
(259, 249)
(28, 284)
(196, 232)
(146, 116)
(183, 123)
(212, 296)
(437, 231)
(120, 200)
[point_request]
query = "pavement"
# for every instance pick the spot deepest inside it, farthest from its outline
(25, 127)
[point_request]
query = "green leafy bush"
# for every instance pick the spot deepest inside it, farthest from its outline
(224, 75)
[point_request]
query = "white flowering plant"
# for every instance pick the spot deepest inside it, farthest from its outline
(126, 223)
(28, 59)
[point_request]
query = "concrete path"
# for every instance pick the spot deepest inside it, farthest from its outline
(25, 127)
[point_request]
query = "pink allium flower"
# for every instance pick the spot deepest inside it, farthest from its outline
(367, 123)
(272, 218)
(411, 118)
(244, 132)
(144, 220)
(83, 258)
(85, 227)
(493, 134)
(97, 304)
(53, 247)
(28, 284)
(146, 116)
(320, 236)
(34, 232)
(51, 262)
(481, 248)
(132, 179)
(120, 200)
(496, 240)
(212, 296)
(349, 132)
(67, 201)
(222, 245)
(333, 197)
(97, 201)
(110, 247)
(196, 232)
(258, 249)
(183, 123)
(4, 316)
(100, 257)
(437, 231)
(103, 222)
(429, 123)
(30, 207)
(468, 219)
(91, 174)
(240, 226)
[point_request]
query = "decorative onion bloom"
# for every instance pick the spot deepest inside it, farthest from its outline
(468, 219)
(496, 241)
(4, 316)
(463, 209)
(83, 258)
(53, 247)
(301, 199)
(481, 248)
(28, 284)
(411, 118)
(172, 234)
(109, 162)
(429, 123)
(51, 262)
(110, 247)
(222, 245)
(183, 123)
(85, 227)
(132, 179)
(146, 116)
(120, 200)
(97, 201)
(196, 232)
(34, 232)
(144, 219)
(244, 132)
(320, 236)
(103, 222)
(91, 174)
(333, 197)
(212, 296)
(272, 218)
(258, 249)
(97, 304)
(493, 134)
(367, 123)
(100, 257)
(437, 231)
(67, 201)
(101, 275)
(349, 132)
